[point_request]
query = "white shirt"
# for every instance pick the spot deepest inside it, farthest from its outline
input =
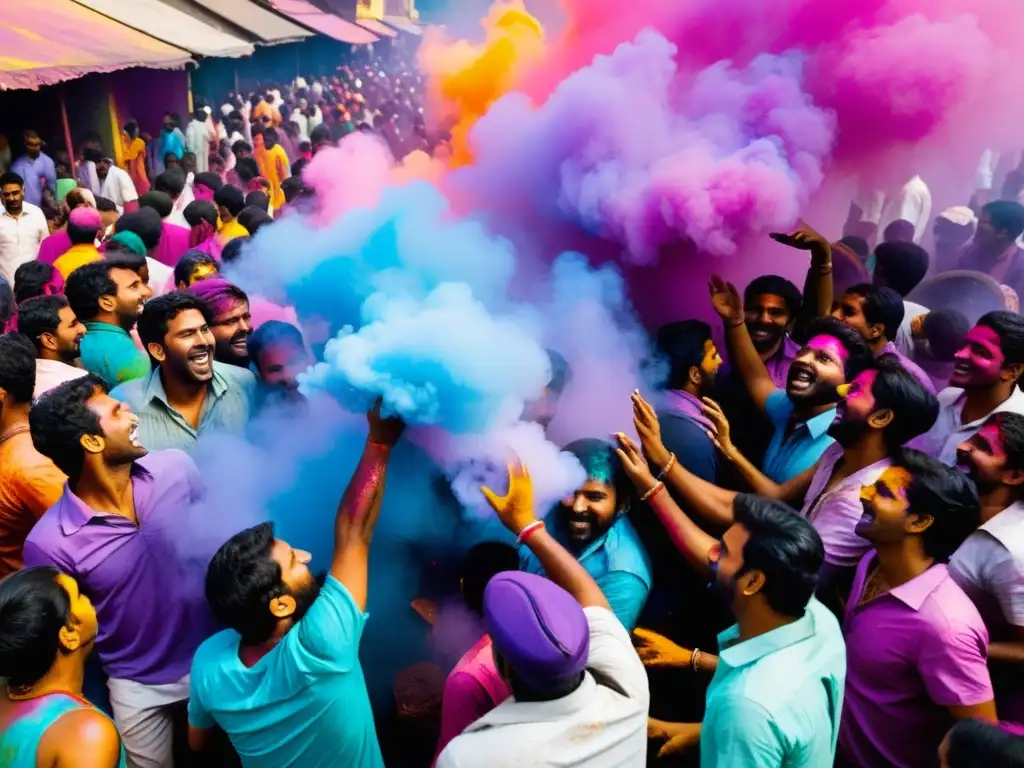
(905, 336)
(197, 137)
(989, 567)
(20, 238)
(161, 277)
(52, 373)
(942, 439)
(593, 726)
(118, 187)
(913, 204)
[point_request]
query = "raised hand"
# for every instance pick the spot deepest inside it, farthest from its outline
(635, 464)
(722, 436)
(726, 300)
(515, 508)
(804, 238)
(658, 652)
(384, 431)
(647, 427)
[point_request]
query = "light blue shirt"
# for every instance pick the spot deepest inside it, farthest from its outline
(775, 700)
(304, 704)
(788, 456)
(229, 403)
(36, 173)
(616, 560)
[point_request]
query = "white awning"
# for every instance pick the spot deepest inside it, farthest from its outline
(170, 25)
(308, 15)
(379, 29)
(404, 24)
(255, 19)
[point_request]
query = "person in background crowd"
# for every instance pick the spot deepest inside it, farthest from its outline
(29, 483)
(171, 142)
(36, 168)
(186, 393)
(117, 185)
(50, 324)
(83, 226)
(249, 178)
(128, 249)
(231, 321)
(50, 628)
(117, 530)
(199, 135)
(876, 313)
(979, 744)
(984, 381)
(135, 157)
(56, 244)
(544, 409)
(553, 641)
(188, 166)
(34, 278)
(230, 202)
(258, 199)
(938, 336)
(175, 184)
(989, 566)
(278, 354)
(273, 164)
(475, 687)
(282, 625)
(201, 216)
(994, 250)
(108, 298)
(109, 216)
(22, 226)
(173, 238)
(252, 218)
(205, 186)
(901, 266)
(916, 646)
(898, 231)
(193, 266)
(953, 230)
(593, 525)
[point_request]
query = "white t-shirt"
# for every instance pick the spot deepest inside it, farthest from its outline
(20, 238)
(118, 187)
(913, 203)
(989, 567)
(593, 726)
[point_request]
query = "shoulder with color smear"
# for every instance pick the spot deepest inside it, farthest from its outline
(949, 395)
(236, 375)
(168, 460)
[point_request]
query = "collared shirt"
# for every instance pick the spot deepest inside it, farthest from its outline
(229, 401)
(905, 335)
(684, 429)
(29, 485)
(790, 454)
(118, 187)
(20, 238)
(150, 603)
(109, 352)
(834, 513)
(592, 726)
(76, 256)
(36, 173)
(52, 373)
(948, 432)
(616, 560)
(775, 700)
(911, 653)
(909, 366)
(778, 364)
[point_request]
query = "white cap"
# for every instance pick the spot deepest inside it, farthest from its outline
(960, 215)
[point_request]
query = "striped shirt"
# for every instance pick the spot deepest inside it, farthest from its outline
(228, 406)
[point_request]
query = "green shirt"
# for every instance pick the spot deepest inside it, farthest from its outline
(110, 353)
(775, 699)
(228, 405)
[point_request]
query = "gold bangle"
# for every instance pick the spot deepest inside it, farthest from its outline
(653, 490)
(695, 660)
(668, 466)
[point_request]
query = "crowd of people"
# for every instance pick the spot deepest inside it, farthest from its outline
(848, 477)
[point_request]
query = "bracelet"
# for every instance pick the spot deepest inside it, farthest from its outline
(823, 269)
(668, 465)
(658, 486)
(529, 530)
(737, 325)
(695, 659)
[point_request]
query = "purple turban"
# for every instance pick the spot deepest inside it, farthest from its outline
(537, 627)
(218, 293)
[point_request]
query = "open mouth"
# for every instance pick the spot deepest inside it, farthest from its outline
(200, 357)
(579, 524)
(760, 334)
(133, 435)
(800, 379)
(961, 369)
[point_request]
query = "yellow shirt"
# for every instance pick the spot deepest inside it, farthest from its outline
(77, 256)
(273, 164)
(231, 230)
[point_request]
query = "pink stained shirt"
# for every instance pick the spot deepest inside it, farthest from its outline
(472, 690)
(910, 654)
(173, 243)
(909, 366)
(54, 246)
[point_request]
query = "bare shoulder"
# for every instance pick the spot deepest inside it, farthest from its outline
(85, 738)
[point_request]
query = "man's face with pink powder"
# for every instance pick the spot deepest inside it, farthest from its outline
(816, 371)
(979, 363)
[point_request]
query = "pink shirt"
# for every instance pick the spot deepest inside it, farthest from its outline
(910, 654)
(54, 246)
(173, 243)
(472, 690)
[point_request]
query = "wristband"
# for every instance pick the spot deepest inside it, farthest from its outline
(694, 659)
(668, 466)
(528, 531)
(737, 325)
(658, 486)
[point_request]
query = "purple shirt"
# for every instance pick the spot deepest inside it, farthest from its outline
(778, 364)
(54, 246)
(150, 604)
(910, 654)
(909, 366)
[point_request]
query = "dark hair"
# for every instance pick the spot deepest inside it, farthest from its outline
(200, 210)
(160, 202)
(601, 463)
(145, 222)
(158, 312)
(273, 332)
(31, 279)
(856, 244)
(979, 744)
(171, 182)
(775, 286)
(105, 205)
(945, 330)
(76, 197)
(209, 179)
(10, 177)
(947, 495)
(233, 249)
(257, 199)
(126, 259)
(1006, 215)
(132, 129)
(292, 186)
(482, 563)
(40, 315)
(17, 366)
(271, 134)
(882, 305)
(86, 285)
(320, 135)
(561, 373)
(7, 305)
(1009, 327)
(247, 169)
(33, 608)
(60, 419)
(242, 579)
(230, 197)
(682, 344)
(92, 155)
(253, 218)
(900, 265)
(1011, 428)
(81, 235)
(241, 146)
(784, 547)
(913, 407)
(188, 262)
(859, 356)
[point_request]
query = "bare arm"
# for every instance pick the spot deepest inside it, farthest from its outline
(818, 284)
(81, 739)
(360, 507)
(1010, 651)
(749, 366)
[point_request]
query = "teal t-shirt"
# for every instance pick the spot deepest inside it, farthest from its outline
(303, 704)
(109, 352)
